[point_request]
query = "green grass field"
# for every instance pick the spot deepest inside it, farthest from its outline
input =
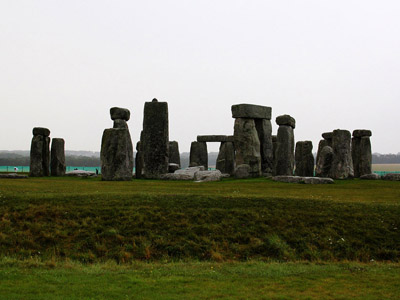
(328, 241)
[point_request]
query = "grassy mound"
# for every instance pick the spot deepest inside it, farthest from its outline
(92, 221)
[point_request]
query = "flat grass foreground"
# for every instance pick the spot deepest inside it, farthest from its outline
(32, 279)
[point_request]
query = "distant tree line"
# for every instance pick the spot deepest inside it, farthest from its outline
(15, 159)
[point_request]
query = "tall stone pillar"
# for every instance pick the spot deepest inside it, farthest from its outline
(174, 155)
(155, 139)
(116, 153)
(226, 158)
(40, 153)
(57, 162)
(342, 164)
(304, 159)
(361, 152)
(253, 138)
(198, 155)
(284, 161)
(326, 141)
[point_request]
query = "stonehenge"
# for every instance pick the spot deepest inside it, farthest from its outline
(198, 155)
(155, 139)
(326, 141)
(304, 159)
(361, 152)
(284, 160)
(40, 153)
(116, 153)
(253, 138)
(342, 163)
(57, 161)
(173, 153)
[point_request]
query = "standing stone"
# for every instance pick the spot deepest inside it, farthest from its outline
(57, 163)
(324, 164)
(226, 158)
(304, 159)
(116, 155)
(198, 155)
(274, 139)
(327, 141)
(173, 155)
(247, 145)
(155, 139)
(139, 161)
(284, 161)
(264, 130)
(342, 165)
(361, 152)
(40, 153)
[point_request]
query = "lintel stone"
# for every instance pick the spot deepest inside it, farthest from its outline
(251, 111)
(215, 138)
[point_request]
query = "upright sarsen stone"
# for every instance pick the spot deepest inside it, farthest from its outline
(264, 130)
(226, 158)
(116, 155)
(324, 164)
(247, 145)
(342, 165)
(155, 139)
(198, 155)
(304, 159)
(40, 153)
(284, 160)
(57, 162)
(361, 152)
(174, 155)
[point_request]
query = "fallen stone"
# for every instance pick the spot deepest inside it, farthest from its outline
(203, 176)
(371, 176)
(391, 177)
(172, 167)
(120, 113)
(13, 176)
(215, 138)
(286, 120)
(57, 161)
(187, 173)
(175, 176)
(362, 133)
(306, 180)
(81, 173)
(251, 111)
(225, 175)
(41, 131)
(242, 171)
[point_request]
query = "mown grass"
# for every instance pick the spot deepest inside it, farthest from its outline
(93, 221)
(33, 279)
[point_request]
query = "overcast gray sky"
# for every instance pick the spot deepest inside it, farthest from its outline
(329, 64)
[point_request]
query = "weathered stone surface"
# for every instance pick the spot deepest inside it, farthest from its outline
(204, 176)
(324, 163)
(362, 155)
(40, 156)
(41, 131)
(13, 176)
(155, 139)
(371, 176)
(321, 145)
(284, 160)
(119, 123)
(304, 159)
(57, 162)
(81, 173)
(251, 111)
(226, 158)
(174, 155)
(286, 120)
(243, 171)
(247, 145)
(139, 161)
(264, 130)
(198, 155)
(361, 133)
(120, 113)
(306, 180)
(274, 140)
(172, 167)
(342, 165)
(327, 136)
(391, 177)
(175, 176)
(116, 155)
(215, 138)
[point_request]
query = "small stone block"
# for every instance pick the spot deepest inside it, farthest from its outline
(327, 135)
(41, 131)
(120, 113)
(362, 133)
(286, 120)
